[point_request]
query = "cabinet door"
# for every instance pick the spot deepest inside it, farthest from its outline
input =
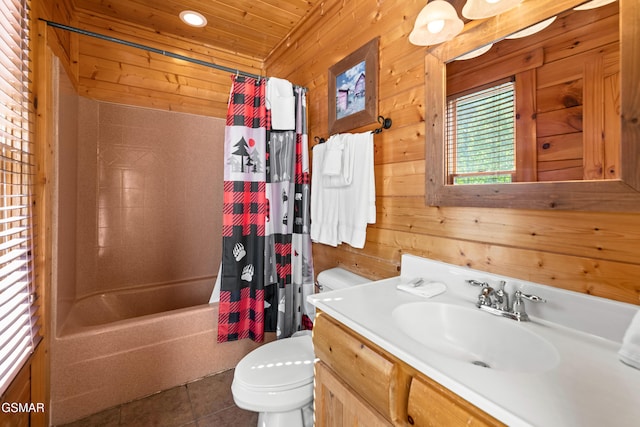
(358, 363)
(432, 405)
(337, 405)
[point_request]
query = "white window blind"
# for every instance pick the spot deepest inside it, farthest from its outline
(481, 136)
(18, 310)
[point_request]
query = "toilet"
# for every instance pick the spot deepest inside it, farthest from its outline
(276, 379)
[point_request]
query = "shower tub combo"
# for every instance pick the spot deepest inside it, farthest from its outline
(119, 346)
(135, 241)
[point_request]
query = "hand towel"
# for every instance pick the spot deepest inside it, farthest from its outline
(348, 159)
(422, 288)
(324, 203)
(629, 353)
(280, 100)
(332, 164)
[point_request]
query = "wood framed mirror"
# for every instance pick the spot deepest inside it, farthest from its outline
(621, 194)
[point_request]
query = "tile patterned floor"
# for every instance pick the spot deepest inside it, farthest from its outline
(203, 403)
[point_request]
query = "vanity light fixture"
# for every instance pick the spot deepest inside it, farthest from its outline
(480, 9)
(475, 53)
(593, 4)
(532, 29)
(437, 22)
(193, 18)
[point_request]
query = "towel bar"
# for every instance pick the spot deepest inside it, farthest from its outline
(384, 121)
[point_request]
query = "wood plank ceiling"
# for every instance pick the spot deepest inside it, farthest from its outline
(252, 28)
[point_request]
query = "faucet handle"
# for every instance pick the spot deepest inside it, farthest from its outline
(518, 309)
(534, 298)
(474, 282)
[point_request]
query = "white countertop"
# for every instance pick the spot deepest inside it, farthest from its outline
(589, 386)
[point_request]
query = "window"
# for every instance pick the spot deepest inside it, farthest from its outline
(481, 135)
(18, 311)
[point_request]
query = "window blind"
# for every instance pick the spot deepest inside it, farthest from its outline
(18, 311)
(481, 136)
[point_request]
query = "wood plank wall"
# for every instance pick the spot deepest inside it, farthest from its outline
(117, 73)
(596, 253)
(590, 252)
(122, 74)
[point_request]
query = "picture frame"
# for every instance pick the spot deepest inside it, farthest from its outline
(353, 89)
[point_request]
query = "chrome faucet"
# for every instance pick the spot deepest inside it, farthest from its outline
(497, 301)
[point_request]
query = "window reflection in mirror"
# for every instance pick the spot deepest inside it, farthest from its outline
(480, 136)
(566, 85)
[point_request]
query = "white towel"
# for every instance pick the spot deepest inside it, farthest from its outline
(324, 203)
(280, 100)
(422, 288)
(348, 157)
(332, 164)
(629, 353)
(357, 201)
(340, 214)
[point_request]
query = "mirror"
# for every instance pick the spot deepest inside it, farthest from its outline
(621, 194)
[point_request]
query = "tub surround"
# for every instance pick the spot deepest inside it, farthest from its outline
(586, 386)
(141, 218)
(126, 214)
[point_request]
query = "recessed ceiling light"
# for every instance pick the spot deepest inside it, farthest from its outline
(193, 18)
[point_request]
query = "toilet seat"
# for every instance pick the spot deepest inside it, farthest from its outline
(277, 376)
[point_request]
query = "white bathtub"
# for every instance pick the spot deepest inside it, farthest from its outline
(120, 346)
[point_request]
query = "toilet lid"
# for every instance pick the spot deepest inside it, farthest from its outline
(286, 363)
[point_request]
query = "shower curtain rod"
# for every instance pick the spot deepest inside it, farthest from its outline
(154, 50)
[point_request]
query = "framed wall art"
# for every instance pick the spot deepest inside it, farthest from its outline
(353, 89)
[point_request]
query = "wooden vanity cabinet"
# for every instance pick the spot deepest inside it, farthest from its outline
(337, 404)
(359, 384)
(430, 404)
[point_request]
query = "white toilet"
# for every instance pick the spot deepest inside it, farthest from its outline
(276, 379)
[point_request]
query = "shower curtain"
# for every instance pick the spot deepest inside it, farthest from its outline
(267, 270)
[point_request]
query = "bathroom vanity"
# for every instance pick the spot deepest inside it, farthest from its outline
(388, 357)
(359, 383)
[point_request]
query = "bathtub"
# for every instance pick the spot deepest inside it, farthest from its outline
(119, 346)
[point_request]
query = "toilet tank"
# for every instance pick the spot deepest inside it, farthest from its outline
(338, 278)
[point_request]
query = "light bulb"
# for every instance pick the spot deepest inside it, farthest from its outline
(437, 22)
(192, 18)
(481, 9)
(436, 26)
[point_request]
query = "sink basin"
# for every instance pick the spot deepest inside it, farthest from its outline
(469, 335)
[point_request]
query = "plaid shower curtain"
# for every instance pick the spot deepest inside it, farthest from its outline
(289, 262)
(267, 270)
